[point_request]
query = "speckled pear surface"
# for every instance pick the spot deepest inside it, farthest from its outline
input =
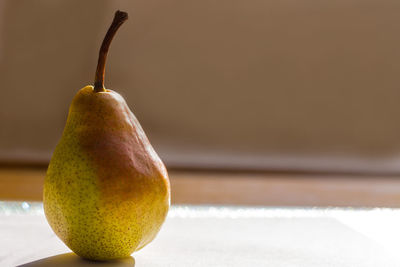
(106, 193)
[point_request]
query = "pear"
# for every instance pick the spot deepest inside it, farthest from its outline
(106, 192)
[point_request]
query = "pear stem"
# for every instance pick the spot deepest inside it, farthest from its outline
(119, 18)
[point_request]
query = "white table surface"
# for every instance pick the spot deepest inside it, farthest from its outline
(223, 236)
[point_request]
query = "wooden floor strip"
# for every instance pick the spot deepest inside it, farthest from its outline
(242, 189)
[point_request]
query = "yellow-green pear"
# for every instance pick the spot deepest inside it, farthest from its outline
(106, 192)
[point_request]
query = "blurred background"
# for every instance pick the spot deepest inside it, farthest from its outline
(247, 102)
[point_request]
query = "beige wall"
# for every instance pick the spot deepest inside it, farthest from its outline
(311, 85)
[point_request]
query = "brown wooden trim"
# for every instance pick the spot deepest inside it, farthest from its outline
(242, 188)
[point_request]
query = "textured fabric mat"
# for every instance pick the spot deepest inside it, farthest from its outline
(223, 236)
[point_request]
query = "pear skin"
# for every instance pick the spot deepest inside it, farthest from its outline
(106, 192)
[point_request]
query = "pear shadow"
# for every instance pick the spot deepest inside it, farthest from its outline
(71, 259)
